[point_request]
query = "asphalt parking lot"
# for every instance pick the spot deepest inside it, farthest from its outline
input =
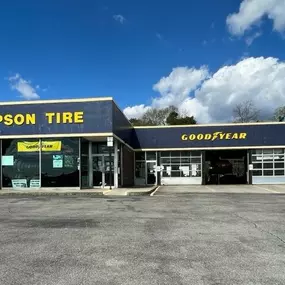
(185, 239)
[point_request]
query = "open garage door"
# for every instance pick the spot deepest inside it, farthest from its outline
(226, 167)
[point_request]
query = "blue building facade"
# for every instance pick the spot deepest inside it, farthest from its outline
(86, 143)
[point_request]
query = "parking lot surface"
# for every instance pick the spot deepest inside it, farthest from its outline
(185, 239)
(253, 189)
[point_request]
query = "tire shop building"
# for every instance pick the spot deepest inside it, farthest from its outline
(89, 143)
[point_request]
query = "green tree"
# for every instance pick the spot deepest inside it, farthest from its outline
(154, 117)
(137, 122)
(160, 117)
(174, 119)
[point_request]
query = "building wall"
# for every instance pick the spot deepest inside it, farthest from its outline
(128, 166)
(121, 125)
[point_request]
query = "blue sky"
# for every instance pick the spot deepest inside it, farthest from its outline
(90, 48)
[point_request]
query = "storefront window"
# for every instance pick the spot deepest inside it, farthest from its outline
(101, 148)
(140, 168)
(140, 155)
(60, 163)
(20, 163)
(84, 163)
(151, 155)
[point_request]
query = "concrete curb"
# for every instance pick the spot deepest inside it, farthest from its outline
(142, 193)
(73, 194)
(51, 194)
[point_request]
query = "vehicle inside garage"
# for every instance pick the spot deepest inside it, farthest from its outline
(226, 167)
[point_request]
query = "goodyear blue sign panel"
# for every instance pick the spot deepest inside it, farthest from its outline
(56, 118)
(211, 136)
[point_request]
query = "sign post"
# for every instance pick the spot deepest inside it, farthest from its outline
(110, 144)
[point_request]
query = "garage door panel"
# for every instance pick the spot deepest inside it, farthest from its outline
(181, 180)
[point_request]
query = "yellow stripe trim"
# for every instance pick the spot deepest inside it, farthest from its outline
(209, 125)
(208, 148)
(73, 100)
(57, 135)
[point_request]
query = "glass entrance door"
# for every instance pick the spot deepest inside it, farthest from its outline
(98, 171)
(109, 173)
(102, 174)
(150, 172)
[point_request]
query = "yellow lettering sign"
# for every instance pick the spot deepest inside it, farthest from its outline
(207, 136)
(51, 118)
(28, 146)
(78, 117)
(184, 137)
(214, 136)
(18, 119)
(242, 136)
(65, 118)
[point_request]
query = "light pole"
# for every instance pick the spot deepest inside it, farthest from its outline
(110, 144)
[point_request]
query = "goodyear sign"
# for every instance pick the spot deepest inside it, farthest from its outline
(226, 136)
(28, 146)
(214, 136)
(50, 117)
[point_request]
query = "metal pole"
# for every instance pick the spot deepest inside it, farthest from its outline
(110, 146)
(110, 169)
(1, 171)
(40, 161)
(79, 163)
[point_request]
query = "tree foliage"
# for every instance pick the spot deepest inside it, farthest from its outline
(245, 112)
(174, 119)
(279, 114)
(137, 122)
(160, 117)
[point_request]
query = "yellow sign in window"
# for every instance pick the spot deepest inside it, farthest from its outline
(26, 146)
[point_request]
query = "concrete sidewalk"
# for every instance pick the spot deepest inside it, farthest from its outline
(134, 191)
(73, 192)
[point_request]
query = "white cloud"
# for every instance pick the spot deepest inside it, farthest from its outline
(251, 12)
(257, 79)
(176, 87)
(211, 98)
(119, 18)
(24, 87)
(135, 111)
(173, 89)
(249, 40)
(193, 107)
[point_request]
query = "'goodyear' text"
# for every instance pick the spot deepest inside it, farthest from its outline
(214, 136)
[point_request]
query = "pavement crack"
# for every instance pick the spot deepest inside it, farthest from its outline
(258, 227)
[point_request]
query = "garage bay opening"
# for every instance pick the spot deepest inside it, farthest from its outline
(226, 167)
